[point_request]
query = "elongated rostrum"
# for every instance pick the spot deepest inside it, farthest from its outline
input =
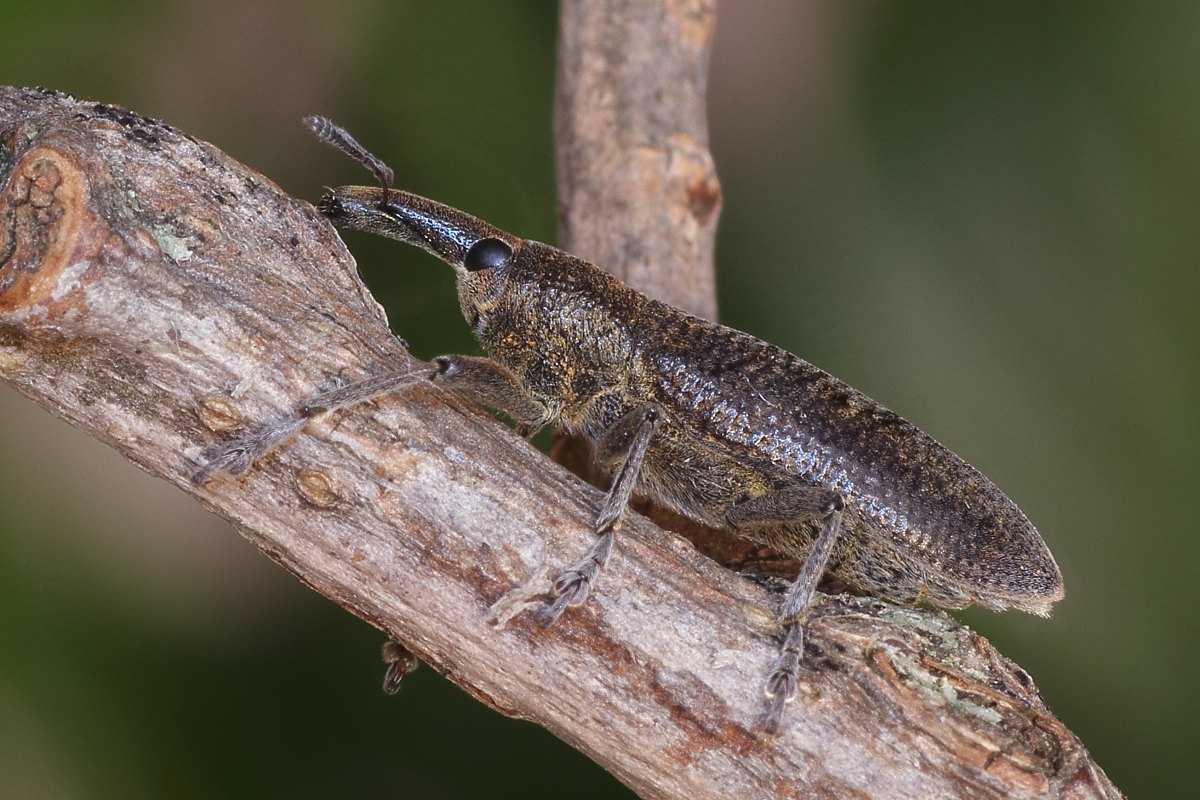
(713, 423)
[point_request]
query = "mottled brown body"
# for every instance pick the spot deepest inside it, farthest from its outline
(710, 422)
(741, 417)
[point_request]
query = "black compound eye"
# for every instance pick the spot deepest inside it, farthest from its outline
(487, 253)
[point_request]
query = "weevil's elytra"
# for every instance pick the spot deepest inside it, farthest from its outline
(708, 421)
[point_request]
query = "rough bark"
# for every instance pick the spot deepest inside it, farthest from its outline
(158, 295)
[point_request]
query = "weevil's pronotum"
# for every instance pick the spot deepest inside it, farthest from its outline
(708, 421)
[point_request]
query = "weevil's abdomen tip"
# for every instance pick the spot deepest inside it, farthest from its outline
(1036, 595)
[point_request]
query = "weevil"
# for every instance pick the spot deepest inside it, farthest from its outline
(708, 421)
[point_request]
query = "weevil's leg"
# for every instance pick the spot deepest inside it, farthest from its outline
(400, 662)
(236, 455)
(478, 378)
(354, 393)
(793, 504)
(783, 679)
(626, 440)
(490, 384)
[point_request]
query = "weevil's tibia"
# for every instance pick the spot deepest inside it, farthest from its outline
(354, 393)
(340, 138)
(630, 435)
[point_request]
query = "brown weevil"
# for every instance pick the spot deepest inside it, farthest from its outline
(707, 421)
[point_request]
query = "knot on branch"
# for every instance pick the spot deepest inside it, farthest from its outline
(44, 231)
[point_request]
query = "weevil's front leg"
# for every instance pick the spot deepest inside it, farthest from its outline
(236, 455)
(793, 504)
(626, 441)
(490, 384)
(478, 378)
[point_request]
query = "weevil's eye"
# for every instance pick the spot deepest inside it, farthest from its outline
(487, 253)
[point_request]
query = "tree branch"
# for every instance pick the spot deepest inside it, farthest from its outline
(158, 295)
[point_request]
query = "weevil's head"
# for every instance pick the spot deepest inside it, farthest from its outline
(527, 302)
(482, 255)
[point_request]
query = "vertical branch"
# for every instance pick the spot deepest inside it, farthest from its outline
(638, 193)
(637, 188)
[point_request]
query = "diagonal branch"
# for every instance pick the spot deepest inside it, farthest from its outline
(157, 295)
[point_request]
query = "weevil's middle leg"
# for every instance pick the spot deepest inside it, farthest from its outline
(629, 436)
(793, 504)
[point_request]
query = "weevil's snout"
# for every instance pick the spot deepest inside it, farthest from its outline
(358, 207)
(445, 232)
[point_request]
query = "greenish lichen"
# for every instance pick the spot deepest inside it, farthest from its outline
(172, 246)
(940, 626)
(917, 677)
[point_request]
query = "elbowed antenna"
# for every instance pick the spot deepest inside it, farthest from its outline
(339, 137)
(435, 227)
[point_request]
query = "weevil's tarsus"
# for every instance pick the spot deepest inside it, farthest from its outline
(400, 663)
(783, 679)
(572, 587)
(238, 454)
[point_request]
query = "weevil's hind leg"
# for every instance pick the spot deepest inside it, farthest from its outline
(627, 440)
(783, 678)
(793, 504)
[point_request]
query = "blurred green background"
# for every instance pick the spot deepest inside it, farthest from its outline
(983, 216)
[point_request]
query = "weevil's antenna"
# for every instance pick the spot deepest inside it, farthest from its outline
(337, 136)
